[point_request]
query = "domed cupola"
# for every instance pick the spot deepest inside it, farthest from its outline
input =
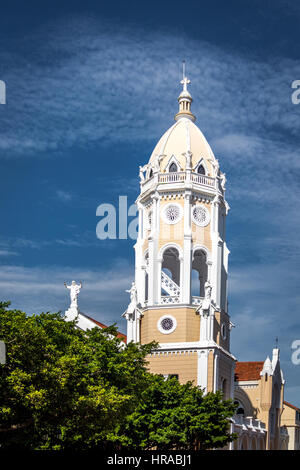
(183, 147)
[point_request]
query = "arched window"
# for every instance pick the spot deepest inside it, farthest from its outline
(171, 266)
(201, 170)
(173, 168)
(224, 388)
(151, 173)
(240, 409)
(199, 273)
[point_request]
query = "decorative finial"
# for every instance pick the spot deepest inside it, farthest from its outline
(185, 81)
(185, 99)
(276, 342)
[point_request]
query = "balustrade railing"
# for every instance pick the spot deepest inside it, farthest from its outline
(170, 299)
(172, 177)
(202, 179)
(196, 300)
(169, 285)
(180, 177)
(242, 420)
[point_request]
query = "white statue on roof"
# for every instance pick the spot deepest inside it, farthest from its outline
(157, 160)
(133, 298)
(207, 296)
(74, 292)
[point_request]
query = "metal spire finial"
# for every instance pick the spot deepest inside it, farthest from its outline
(185, 81)
(185, 99)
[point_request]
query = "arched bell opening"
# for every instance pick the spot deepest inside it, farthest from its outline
(170, 282)
(240, 408)
(199, 273)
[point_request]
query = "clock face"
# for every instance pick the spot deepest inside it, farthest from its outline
(200, 215)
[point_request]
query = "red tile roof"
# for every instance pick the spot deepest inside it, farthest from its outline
(119, 335)
(292, 406)
(248, 371)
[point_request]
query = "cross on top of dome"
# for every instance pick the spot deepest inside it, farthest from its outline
(185, 99)
(185, 81)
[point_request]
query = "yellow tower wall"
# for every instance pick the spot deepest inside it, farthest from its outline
(188, 325)
(184, 364)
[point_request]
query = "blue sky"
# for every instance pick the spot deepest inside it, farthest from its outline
(90, 89)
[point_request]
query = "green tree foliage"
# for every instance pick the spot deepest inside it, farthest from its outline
(63, 388)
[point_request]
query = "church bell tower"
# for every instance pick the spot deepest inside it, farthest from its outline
(179, 297)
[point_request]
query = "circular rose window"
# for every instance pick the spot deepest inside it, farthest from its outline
(172, 213)
(167, 324)
(200, 215)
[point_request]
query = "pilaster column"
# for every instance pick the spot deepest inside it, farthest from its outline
(216, 370)
(153, 252)
(211, 324)
(137, 327)
(159, 264)
(204, 327)
(232, 381)
(216, 271)
(187, 250)
(202, 369)
(139, 278)
(141, 220)
(143, 286)
(219, 262)
(130, 328)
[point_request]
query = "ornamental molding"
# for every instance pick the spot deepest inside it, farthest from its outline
(149, 203)
(166, 247)
(201, 198)
(202, 162)
(177, 352)
(171, 160)
(171, 195)
(197, 346)
(245, 387)
(246, 383)
(198, 247)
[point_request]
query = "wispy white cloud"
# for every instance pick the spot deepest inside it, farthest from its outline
(7, 253)
(64, 196)
(40, 289)
(114, 84)
(79, 238)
